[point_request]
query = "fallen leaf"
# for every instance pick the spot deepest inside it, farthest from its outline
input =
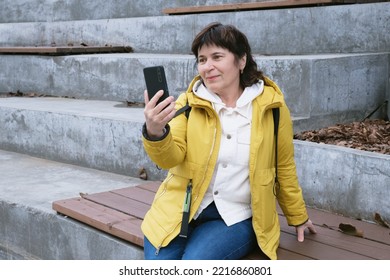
(380, 221)
(135, 104)
(350, 230)
(83, 195)
(368, 135)
(142, 174)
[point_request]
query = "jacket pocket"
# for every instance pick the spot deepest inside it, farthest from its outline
(167, 207)
(263, 199)
(243, 145)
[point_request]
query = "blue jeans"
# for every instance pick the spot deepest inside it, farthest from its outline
(209, 238)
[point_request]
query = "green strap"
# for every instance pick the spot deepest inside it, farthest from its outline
(186, 211)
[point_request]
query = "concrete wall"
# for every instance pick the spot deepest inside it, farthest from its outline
(388, 92)
(346, 181)
(27, 233)
(333, 29)
(68, 10)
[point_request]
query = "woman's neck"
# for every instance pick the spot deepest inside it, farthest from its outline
(230, 100)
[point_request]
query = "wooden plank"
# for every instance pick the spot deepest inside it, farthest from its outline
(119, 203)
(281, 253)
(317, 250)
(364, 247)
(65, 50)
(151, 186)
(259, 5)
(284, 254)
(248, 6)
(100, 217)
(138, 194)
(370, 231)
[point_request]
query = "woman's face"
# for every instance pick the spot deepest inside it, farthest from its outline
(220, 70)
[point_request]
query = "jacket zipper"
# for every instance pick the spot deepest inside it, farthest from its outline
(162, 193)
(160, 246)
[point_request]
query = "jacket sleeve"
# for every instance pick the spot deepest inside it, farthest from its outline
(290, 196)
(170, 150)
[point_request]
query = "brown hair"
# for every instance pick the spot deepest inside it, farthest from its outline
(232, 39)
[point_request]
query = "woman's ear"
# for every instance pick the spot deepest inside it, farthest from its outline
(242, 62)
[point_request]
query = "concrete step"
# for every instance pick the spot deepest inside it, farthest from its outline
(103, 135)
(312, 30)
(315, 86)
(59, 10)
(31, 229)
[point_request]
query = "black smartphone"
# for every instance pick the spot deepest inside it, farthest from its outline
(155, 80)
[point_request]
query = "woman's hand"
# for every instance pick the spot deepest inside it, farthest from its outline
(301, 230)
(156, 117)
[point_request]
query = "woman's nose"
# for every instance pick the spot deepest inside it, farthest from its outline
(209, 65)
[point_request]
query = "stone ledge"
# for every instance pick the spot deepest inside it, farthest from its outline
(342, 180)
(313, 85)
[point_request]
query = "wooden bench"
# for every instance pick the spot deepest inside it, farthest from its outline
(120, 212)
(258, 5)
(65, 50)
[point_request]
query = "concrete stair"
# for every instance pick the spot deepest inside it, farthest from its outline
(30, 229)
(332, 63)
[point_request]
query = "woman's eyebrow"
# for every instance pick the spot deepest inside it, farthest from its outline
(214, 53)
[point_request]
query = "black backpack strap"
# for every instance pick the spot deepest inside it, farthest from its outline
(187, 200)
(276, 114)
(186, 109)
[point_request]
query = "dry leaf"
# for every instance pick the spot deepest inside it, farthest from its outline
(368, 135)
(142, 174)
(380, 221)
(83, 195)
(135, 104)
(350, 230)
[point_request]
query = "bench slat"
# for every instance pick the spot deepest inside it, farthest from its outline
(120, 203)
(370, 230)
(341, 241)
(138, 194)
(317, 250)
(282, 255)
(249, 6)
(103, 218)
(65, 50)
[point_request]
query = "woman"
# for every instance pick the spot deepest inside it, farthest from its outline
(221, 159)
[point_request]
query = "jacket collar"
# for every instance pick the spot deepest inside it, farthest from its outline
(271, 97)
(243, 105)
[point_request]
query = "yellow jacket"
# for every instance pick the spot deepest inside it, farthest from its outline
(190, 151)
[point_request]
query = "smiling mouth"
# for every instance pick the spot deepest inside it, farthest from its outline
(211, 78)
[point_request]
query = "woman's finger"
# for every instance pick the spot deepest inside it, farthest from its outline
(146, 97)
